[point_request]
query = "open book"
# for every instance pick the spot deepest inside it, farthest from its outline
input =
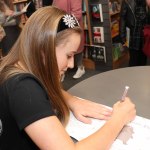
(18, 13)
(134, 136)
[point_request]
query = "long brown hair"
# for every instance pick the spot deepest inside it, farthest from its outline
(38, 38)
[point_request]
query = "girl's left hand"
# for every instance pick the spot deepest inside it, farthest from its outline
(83, 110)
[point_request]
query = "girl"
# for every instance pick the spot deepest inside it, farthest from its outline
(34, 109)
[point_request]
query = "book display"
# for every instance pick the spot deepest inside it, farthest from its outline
(20, 7)
(120, 54)
(102, 29)
(18, 12)
(96, 12)
(95, 50)
(98, 54)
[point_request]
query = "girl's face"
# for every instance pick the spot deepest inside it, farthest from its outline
(65, 52)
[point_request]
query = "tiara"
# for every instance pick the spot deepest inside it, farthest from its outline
(67, 21)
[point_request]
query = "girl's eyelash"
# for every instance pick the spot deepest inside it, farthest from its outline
(69, 56)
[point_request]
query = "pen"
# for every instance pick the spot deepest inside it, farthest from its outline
(125, 93)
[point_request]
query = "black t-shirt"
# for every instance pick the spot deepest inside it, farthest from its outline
(23, 101)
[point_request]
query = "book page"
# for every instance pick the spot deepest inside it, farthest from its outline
(134, 136)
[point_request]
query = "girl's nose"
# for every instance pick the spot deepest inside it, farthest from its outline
(71, 62)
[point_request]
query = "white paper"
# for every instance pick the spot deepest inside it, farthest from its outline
(134, 136)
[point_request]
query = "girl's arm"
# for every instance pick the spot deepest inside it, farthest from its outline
(49, 134)
(83, 109)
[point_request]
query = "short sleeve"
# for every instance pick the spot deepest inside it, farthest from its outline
(28, 101)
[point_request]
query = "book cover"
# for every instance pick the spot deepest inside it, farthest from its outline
(117, 49)
(115, 28)
(98, 34)
(96, 12)
(134, 136)
(98, 53)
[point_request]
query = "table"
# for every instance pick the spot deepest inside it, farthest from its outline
(107, 87)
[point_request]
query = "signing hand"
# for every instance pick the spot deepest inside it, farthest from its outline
(124, 110)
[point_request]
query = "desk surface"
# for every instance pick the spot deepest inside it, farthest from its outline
(106, 88)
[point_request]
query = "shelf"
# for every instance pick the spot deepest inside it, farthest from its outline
(21, 1)
(110, 27)
(88, 63)
(124, 58)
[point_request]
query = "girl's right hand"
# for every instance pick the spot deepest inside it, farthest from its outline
(124, 110)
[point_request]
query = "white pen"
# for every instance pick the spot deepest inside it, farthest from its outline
(125, 93)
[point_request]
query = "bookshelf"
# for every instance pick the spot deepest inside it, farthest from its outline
(122, 54)
(15, 2)
(18, 6)
(102, 24)
(88, 63)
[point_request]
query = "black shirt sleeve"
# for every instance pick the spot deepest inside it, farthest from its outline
(28, 101)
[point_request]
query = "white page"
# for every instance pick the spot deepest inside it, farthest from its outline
(134, 136)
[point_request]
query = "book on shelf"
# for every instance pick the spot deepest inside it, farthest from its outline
(134, 136)
(98, 53)
(115, 28)
(110, 8)
(83, 6)
(96, 12)
(18, 13)
(98, 34)
(117, 49)
(95, 52)
(114, 7)
(127, 36)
